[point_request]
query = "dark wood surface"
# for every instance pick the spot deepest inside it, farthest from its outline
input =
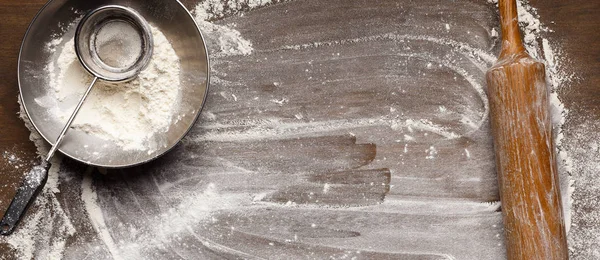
(575, 24)
(14, 136)
(576, 28)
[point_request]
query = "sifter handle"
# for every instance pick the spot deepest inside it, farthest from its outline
(32, 185)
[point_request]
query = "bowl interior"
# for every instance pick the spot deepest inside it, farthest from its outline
(97, 59)
(178, 26)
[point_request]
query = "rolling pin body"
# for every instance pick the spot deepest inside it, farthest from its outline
(524, 149)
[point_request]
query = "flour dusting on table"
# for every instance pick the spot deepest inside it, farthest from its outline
(302, 153)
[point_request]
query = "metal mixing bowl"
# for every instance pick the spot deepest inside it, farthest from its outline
(175, 22)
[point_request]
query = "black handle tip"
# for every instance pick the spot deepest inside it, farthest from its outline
(6, 229)
(27, 192)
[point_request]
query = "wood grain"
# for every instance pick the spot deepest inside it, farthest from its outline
(14, 137)
(575, 23)
(524, 148)
(525, 160)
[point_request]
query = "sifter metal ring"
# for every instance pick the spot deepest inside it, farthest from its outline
(88, 45)
(179, 28)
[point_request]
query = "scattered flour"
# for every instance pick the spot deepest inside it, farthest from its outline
(228, 42)
(112, 111)
(10, 157)
(13, 159)
(209, 10)
(132, 113)
(90, 199)
(557, 78)
(431, 152)
(44, 233)
(584, 146)
(158, 84)
(42, 147)
(578, 154)
(35, 176)
(537, 45)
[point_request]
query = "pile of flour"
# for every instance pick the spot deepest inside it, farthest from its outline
(131, 113)
(225, 41)
(127, 113)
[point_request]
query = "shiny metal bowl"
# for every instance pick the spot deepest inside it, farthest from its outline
(179, 27)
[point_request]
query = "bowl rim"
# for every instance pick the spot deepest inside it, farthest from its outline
(173, 145)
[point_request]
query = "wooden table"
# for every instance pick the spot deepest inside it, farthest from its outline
(14, 136)
(575, 23)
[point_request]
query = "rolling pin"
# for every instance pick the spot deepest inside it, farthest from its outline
(525, 160)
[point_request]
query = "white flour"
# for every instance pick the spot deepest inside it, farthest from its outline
(142, 98)
(12, 159)
(35, 176)
(118, 44)
(538, 46)
(214, 9)
(226, 41)
(130, 113)
(557, 78)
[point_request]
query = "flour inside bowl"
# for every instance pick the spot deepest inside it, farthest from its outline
(132, 114)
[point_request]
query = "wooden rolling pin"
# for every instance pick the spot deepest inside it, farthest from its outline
(525, 160)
